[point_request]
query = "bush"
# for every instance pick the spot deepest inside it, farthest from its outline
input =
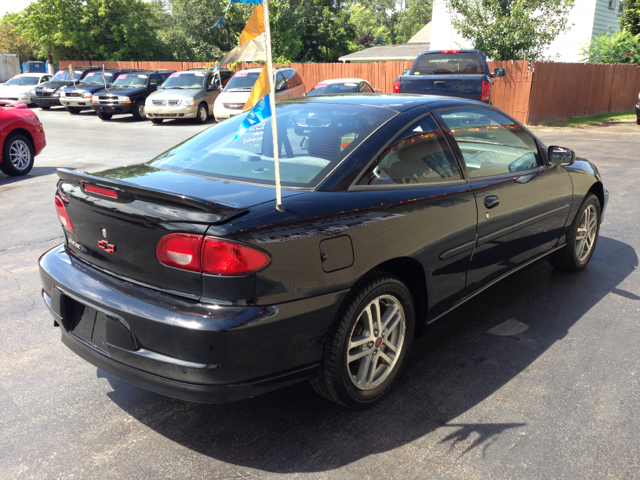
(620, 47)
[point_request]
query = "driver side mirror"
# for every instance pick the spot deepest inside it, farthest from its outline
(561, 156)
(499, 72)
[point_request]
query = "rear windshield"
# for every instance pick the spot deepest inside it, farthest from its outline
(65, 76)
(131, 80)
(448, 63)
(332, 88)
(19, 80)
(243, 80)
(313, 139)
(96, 77)
(184, 80)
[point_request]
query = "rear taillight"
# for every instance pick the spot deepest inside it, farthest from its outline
(221, 257)
(210, 255)
(486, 91)
(107, 192)
(180, 250)
(63, 216)
(396, 86)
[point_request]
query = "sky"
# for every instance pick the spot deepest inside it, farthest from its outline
(12, 6)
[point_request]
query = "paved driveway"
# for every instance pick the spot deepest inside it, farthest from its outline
(559, 399)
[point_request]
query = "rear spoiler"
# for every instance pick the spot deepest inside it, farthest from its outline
(215, 212)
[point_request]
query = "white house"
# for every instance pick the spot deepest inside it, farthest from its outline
(588, 19)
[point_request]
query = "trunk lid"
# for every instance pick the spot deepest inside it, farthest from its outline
(120, 234)
(457, 85)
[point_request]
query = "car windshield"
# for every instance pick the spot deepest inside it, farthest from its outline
(313, 139)
(332, 88)
(96, 77)
(65, 76)
(184, 80)
(131, 80)
(20, 80)
(448, 63)
(243, 80)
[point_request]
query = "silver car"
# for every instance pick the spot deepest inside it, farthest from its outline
(187, 94)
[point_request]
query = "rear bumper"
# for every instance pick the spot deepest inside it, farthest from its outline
(114, 109)
(184, 348)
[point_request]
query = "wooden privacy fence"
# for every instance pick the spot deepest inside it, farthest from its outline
(532, 92)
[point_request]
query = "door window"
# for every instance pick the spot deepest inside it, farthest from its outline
(491, 144)
(281, 82)
(155, 80)
(420, 155)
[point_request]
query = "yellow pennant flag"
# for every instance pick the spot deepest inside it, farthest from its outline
(260, 89)
(254, 27)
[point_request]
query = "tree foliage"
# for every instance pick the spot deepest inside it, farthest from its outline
(630, 18)
(620, 47)
(12, 41)
(406, 23)
(93, 29)
(510, 29)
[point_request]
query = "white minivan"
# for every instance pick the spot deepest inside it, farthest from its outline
(231, 101)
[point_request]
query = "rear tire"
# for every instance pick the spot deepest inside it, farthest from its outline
(138, 112)
(638, 120)
(17, 155)
(582, 237)
(104, 116)
(365, 351)
(157, 121)
(73, 110)
(203, 113)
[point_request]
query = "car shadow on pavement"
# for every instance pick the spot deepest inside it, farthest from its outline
(35, 172)
(453, 369)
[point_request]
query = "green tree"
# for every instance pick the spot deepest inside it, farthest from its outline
(12, 41)
(510, 29)
(620, 47)
(93, 29)
(630, 18)
(406, 23)
(370, 23)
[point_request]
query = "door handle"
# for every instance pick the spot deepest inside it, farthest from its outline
(439, 82)
(491, 201)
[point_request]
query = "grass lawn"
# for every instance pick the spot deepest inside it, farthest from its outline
(593, 119)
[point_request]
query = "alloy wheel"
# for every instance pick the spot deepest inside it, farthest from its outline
(586, 234)
(141, 110)
(376, 342)
(203, 113)
(20, 154)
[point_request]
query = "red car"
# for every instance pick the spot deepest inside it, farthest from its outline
(21, 137)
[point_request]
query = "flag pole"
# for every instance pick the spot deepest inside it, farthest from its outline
(272, 105)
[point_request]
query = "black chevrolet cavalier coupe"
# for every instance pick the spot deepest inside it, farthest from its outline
(180, 276)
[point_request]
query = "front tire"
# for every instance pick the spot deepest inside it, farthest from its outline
(73, 110)
(638, 120)
(104, 116)
(581, 237)
(157, 121)
(44, 107)
(17, 155)
(203, 113)
(367, 346)
(138, 112)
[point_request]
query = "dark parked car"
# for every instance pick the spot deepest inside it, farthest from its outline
(638, 110)
(128, 94)
(453, 73)
(180, 276)
(47, 95)
(77, 98)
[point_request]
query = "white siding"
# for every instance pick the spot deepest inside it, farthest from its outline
(606, 19)
(566, 46)
(587, 18)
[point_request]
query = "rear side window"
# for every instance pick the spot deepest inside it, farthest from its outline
(491, 144)
(155, 80)
(420, 155)
(448, 63)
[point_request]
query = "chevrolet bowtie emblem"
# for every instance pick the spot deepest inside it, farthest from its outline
(106, 246)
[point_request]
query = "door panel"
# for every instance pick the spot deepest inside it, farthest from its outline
(527, 220)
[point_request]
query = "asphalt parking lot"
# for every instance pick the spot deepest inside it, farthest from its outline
(558, 399)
